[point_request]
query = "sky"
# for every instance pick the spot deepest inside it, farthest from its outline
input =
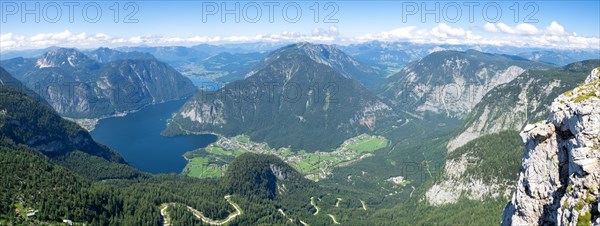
(87, 24)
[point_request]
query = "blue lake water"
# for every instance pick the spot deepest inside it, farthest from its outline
(137, 137)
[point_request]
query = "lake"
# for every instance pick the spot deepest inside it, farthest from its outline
(137, 137)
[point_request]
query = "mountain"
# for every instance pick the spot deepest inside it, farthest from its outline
(263, 175)
(294, 99)
(558, 183)
(25, 121)
(250, 47)
(6, 79)
(336, 59)
(560, 57)
(206, 63)
(173, 55)
(524, 100)
(78, 86)
(105, 55)
(482, 169)
(28, 53)
(392, 56)
(451, 83)
(387, 56)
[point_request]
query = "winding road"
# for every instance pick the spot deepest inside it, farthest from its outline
(312, 202)
(199, 215)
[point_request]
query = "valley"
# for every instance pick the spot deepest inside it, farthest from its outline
(212, 160)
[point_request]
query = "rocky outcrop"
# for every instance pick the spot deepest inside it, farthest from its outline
(560, 174)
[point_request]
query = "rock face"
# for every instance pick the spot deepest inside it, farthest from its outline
(560, 173)
(457, 183)
(451, 83)
(524, 100)
(484, 168)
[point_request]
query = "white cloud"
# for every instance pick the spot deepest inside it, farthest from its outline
(490, 27)
(521, 35)
(398, 33)
(527, 29)
(441, 33)
(519, 29)
(332, 31)
(555, 28)
(83, 40)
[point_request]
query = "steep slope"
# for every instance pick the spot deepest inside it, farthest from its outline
(558, 183)
(481, 170)
(26, 121)
(451, 83)
(6, 79)
(524, 100)
(292, 100)
(265, 176)
(79, 87)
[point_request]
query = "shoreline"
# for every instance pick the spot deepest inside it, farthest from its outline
(89, 124)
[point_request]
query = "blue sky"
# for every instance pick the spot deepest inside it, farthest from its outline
(544, 23)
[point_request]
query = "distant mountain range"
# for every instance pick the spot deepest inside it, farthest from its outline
(302, 96)
(224, 67)
(394, 55)
(109, 82)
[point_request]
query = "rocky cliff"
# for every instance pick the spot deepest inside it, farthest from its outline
(482, 169)
(524, 100)
(560, 173)
(451, 83)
